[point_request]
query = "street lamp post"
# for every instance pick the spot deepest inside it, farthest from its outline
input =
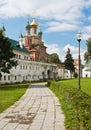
(79, 36)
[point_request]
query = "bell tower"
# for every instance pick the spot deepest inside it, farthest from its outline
(27, 37)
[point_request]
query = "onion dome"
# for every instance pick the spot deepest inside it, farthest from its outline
(28, 26)
(34, 24)
(39, 31)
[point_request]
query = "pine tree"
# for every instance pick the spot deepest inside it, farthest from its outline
(6, 54)
(69, 62)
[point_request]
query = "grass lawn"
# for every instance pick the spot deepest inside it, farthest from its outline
(11, 93)
(85, 84)
(76, 104)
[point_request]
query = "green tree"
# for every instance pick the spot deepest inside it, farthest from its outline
(6, 54)
(69, 62)
(87, 55)
(54, 58)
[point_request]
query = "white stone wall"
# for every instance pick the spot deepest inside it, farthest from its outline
(61, 73)
(86, 73)
(29, 70)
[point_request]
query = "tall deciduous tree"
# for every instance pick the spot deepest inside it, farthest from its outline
(6, 54)
(87, 55)
(69, 62)
(54, 58)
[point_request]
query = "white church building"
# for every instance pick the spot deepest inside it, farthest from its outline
(27, 70)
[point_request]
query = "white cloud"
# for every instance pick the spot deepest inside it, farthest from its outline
(74, 51)
(87, 29)
(86, 32)
(58, 26)
(54, 48)
(89, 18)
(67, 14)
(86, 36)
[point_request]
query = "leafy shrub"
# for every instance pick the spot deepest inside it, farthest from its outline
(75, 75)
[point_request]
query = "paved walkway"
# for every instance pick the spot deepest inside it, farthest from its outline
(38, 109)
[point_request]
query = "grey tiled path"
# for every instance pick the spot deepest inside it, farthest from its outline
(38, 109)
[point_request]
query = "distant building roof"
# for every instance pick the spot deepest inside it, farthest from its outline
(61, 65)
(21, 36)
(76, 62)
(16, 46)
(33, 50)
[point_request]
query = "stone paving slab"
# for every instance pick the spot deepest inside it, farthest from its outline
(38, 109)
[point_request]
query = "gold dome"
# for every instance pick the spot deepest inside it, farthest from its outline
(34, 23)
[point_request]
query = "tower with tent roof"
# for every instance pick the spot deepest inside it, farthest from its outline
(33, 42)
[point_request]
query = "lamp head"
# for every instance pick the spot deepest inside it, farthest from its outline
(79, 36)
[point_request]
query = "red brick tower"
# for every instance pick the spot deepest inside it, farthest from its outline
(34, 44)
(27, 36)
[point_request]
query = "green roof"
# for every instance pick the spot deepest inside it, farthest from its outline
(40, 33)
(88, 66)
(15, 45)
(21, 36)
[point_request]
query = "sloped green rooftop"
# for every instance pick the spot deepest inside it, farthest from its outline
(15, 45)
(88, 66)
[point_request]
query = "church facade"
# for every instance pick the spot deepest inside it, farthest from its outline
(34, 44)
(33, 60)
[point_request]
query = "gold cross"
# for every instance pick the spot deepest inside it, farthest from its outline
(34, 13)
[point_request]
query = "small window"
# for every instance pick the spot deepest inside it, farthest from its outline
(19, 56)
(23, 77)
(24, 57)
(8, 77)
(5, 77)
(26, 67)
(0, 78)
(26, 76)
(23, 67)
(15, 77)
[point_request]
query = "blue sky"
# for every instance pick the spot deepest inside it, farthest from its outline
(59, 20)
